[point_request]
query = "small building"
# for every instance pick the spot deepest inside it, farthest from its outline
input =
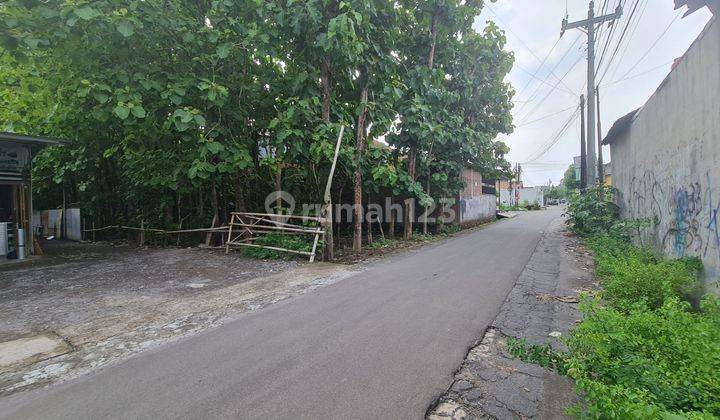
(523, 196)
(476, 201)
(16, 204)
(607, 174)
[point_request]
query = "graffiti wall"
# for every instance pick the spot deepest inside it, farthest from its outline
(666, 166)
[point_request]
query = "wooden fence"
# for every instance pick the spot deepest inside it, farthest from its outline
(246, 228)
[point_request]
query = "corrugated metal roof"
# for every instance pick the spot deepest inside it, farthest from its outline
(695, 5)
(32, 140)
(620, 127)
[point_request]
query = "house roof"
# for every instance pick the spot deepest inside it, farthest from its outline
(695, 5)
(29, 140)
(620, 127)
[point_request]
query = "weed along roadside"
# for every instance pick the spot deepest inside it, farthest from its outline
(649, 342)
(597, 326)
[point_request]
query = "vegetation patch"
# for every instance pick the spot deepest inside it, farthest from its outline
(649, 345)
(296, 243)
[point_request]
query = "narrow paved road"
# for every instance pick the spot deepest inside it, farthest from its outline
(381, 344)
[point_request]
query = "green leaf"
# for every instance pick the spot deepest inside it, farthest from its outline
(223, 50)
(138, 111)
(86, 12)
(126, 28)
(121, 111)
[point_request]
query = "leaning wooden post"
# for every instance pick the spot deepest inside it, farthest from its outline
(142, 232)
(328, 213)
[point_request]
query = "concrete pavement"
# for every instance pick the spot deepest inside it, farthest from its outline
(381, 344)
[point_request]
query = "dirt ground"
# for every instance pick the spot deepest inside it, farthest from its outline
(82, 306)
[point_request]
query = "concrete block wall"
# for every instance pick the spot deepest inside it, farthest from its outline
(667, 165)
(477, 209)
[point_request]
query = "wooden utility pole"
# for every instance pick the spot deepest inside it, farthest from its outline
(583, 150)
(589, 25)
(601, 169)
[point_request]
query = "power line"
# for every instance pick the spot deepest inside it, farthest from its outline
(636, 24)
(607, 41)
(522, 42)
(667, 28)
(638, 74)
(521, 91)
(545, 117)
(541, 80)
(536, 91)
(549, 93)
(555, 138)
(620, 40)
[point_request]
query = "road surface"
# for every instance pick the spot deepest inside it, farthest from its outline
(381, 344)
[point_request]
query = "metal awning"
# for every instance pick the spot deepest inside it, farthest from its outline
(24, 139)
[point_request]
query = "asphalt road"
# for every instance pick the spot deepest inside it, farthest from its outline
(381, 344)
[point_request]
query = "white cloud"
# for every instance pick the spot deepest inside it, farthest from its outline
(533, 27)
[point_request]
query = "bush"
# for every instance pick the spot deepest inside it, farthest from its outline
(294, 242)
(383, 243)
(592, 212)
(630, 275)
(659, 363)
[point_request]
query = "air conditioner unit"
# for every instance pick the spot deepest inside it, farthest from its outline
(3, 239)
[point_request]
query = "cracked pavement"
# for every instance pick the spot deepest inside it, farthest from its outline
(541, 307)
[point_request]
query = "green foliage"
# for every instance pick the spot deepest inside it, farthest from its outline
(165, 102)
(294, 242)
(556, 193)
(593, 211)
(642, 350)
(383, 243)
(633, 277)
(647, 364)
(569, 181)
(508, 207)
(543, 356)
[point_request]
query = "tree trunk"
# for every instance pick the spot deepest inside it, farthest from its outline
(239, 193)
(433, 37)
(326, 83)
(360, 150)
(391, 221)
(410, 203)
(214, 204)
(278, 188)
(412, 156)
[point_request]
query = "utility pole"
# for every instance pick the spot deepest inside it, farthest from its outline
(583, 151)
(518, 172)
(601, 169)
(589, 25)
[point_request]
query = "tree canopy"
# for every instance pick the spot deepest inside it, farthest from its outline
(178, 111)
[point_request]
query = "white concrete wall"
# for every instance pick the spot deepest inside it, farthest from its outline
(477, 209)
(530, 194)
(667, 165)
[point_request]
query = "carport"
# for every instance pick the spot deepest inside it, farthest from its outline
(16, 204)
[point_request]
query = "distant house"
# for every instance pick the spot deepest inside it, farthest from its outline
(475, 202)
(16, 204)
(665, 156)
(607, 173)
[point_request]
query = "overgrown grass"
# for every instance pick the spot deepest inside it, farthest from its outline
(630, 275)
(647, 363)
(648, 346)
(294, 242)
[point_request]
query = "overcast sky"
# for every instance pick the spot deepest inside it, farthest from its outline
(533, 27)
